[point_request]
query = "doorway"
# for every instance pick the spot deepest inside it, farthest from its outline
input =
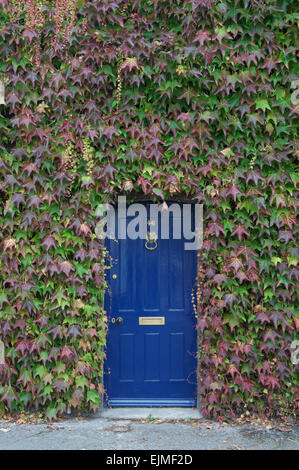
(152, 338)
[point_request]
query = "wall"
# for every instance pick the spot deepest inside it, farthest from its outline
(197, 97)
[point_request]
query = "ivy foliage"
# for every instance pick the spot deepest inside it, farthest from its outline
(198, 97)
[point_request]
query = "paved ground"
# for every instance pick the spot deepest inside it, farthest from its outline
(109, 432)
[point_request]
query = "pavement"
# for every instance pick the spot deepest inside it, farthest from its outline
(145, 429)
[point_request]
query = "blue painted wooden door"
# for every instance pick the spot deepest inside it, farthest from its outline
(151, 365)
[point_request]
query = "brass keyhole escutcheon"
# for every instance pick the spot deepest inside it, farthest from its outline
(151, 239)
(114, 276)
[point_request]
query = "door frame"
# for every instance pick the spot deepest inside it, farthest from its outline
(142, 198)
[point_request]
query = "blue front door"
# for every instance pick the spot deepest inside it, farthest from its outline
(151, 364)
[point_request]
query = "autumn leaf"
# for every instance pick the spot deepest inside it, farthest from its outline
(9, 244)
(66, 267)
(233, 191)
(49, 242)
(240, 230)
(201, 37)
(130, 63)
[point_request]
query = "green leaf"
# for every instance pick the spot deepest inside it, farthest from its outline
(262, 104)
(51, 412)
(93, 396)
(40, 371)
(275, 260)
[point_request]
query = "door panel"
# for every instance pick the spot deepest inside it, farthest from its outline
(151, 365)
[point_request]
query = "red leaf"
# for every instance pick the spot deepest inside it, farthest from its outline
(22, 346)
(9, 395)
(29, 168)
(28, 33)
(272, 381)
(233, 190)
(212, 398)
(254, 175)
(18, 199)
(214, 228)
(220, 278)
(34, 201)
(56, 330)
(202, 324)
(285, 235)
(130, 63)
(74, 331)
(241, 275)
(271, 335)
(201, 37)
(66, 267)
(262, 317)
(109, 131)
(235, 263)
(67, 351)
(48, 241)
(240, 230)
(26, 120)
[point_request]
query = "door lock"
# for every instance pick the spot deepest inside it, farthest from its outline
(118, 320)
(114, 276)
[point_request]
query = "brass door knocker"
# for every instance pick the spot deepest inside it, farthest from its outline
(151, 239)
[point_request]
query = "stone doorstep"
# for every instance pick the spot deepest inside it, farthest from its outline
(155, 412)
